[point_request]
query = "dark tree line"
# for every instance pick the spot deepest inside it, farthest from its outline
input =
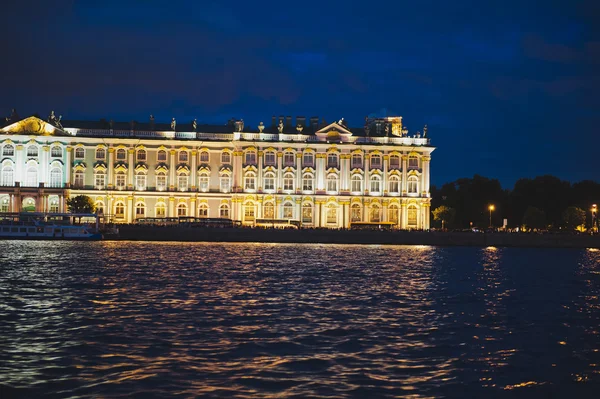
(539, 202)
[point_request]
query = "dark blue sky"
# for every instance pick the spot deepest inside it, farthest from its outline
(508, 89)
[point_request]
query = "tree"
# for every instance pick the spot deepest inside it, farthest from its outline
(574, 217)
(445, 214)
(80, 204)
(534, 218)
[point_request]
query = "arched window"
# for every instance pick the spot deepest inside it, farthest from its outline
(141, 156)
(161, 181)
(121, 180)
(250, 181)
(308, 159)
(183, 156)
(332, 160)
(355, 213)
(307, 213)
(393, 213)
(412, 216)
(32, 151)
(249, 212)
(268, 210)
(100, 180)
(121, 154)
(307, 182)
(224, 211)
(375, 161)
(356, 184)
(99, 205)
(394, 161)
(356, 161)
(288, 210)
(182, 209)
(413, 162)
(8, 150)
(332, 214)
(412, 185)
(375, 184)
(140, 181)
(332, 183)
(270, 158)
(8, 176)
(269, 182)
(225, 157)
(140, 210)
(160, 209)
(32, 177)
(203, 211)
(288, 181)
(394, 184)
(182, 182)
(4, 204)
(120, 210)
(54, 205)
(100, 153)
(79, 153)
(204, 182)
(375, 213)
(161, 156)
(250, 158)
(78, 179)
(204, 157)
(56, 151)
(288, 158)
(55, 177)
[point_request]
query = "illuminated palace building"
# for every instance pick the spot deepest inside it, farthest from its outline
(323, 174)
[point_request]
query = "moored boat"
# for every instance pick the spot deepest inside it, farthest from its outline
(49, 226)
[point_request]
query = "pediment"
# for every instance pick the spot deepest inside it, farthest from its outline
(33, 125)
(335, 129)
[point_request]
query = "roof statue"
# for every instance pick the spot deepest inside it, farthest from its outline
(299, 128)
(425, 131)
(280, 126)
(194, 125)
(13, 116)
(57, 122)
(173, 124)
(261, 127)
(387, 129)
(151, 118)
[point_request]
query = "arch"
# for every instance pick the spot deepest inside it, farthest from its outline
(308, 158)
(204, 156)
(356, 212)
(100, 153)
(249, 211)
(288, 210)
(160, 208)
(288, 181)
(331, 213)
(56, 151)
(307, 212)
(413, 183)
(79, 152)
(120, 209)
(31, 177)
(412, 216)
(8, 175)
(356, 182)
(250, 181)
(375, 213)
(182, 209)
(394, 161)
(8, 150)
(308, 180)
(226, 157)
(375, 160)
(203, 210)
(183, 156)
(140, 209)
(100, 207)
(161, 156)
(393, 213)
(270, 158)
(357, 161)
(375, 184)
(32, 150)
(268, 210)
(4, 203)
(56, 177)
(394, 184)
(28, 204)
(121, 154)
(289, 158)
(141, 155)
(224, 211)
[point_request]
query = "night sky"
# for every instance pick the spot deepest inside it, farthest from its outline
(508, 89)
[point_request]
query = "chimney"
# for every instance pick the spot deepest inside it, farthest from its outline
(314, 123)
(288, 121)
(274, 121)
(301, 121)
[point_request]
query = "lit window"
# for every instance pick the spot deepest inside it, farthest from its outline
(56, 152)
(356, 161)
(249, 212)
(78, 179)
(204, 157)
(160, 209)
(100, 153)
(375, 184)
(121, 181)
(394, 185)
(375, 162)
(269, 182)
(355, 213)
(268, 210)
(250, 181)
(375, 214)
(270, 158)
(161, 181)
(32, 151)
(8, 150)
(121, 154)
(140, 210)
(183, 156)
(140, 182)
(100, 181)
(120, 210)
(308, 159)
(332, 160)
(224, 211)
(393, 213)
(288, 210)
(356, 184)
(79, 153)
(288, 159)
(332, 182)
(182, 182)
(225, 183)
(250, 158)
(182, 210)
(307, 213)
(412, 185)
(141, 156)
(203, 182)
(413, 162)
(331, 214)
(307, 182)
(412, 216)
(226, 158)
(288, 182)
(161, 156)
(394, 162)
(203, 211)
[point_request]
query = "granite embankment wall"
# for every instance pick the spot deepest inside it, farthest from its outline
(325, 236)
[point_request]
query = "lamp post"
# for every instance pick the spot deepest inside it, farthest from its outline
(594, 218)
(491, 208)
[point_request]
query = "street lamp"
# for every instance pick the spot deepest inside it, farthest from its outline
(594, 220)
(491, 208)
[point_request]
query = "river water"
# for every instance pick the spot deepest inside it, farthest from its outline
(131, 319)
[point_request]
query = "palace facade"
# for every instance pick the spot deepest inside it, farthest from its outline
(324, 175)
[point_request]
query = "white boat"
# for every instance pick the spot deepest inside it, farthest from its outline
(49, 226)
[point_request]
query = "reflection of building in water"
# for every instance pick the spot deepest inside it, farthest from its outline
(325, 175)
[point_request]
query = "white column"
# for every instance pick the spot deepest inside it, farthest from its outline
(384, 181)
(259, 178)
(69, 165)
(44, 169)
(20, 168)
(299, 176)
(111, 170)
(172, 167)
(279, 184)
(320, 171)
(171, 209)
(425, 175)
(130, 168)
(194, 171)
(367, 166)
(237, 172)
(404, 176)
(404, 214)
(130, 209)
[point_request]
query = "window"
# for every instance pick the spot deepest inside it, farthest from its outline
(32, 177)
(307, 213)
(203, 211)
(182, 182)
(394, 185)
(204, 157)
(225, 183)
(56, 152)
(375, 184)
(78, 178)
(161, 156)
(4, 204)
(288, 210)
(375, 162)
(182, 209)
(140, 182)
(356, 161)
(412, 216)
(268, 210)
(120, 210)
(224, 211)
(412, 185)
(160, 209)
(332, 182)
(8, 150)
(332, 160)
(121, 181)
(393, 213)
(250, 181)
(394, 162)
(308, 159)
(203, 182)
(270, 158)
(413, 162)
(183, 156)
(56, 178)
(32, 151)
(100, 181)
(288, 182)
(307, 182)
(355, 213)
(331, 214)
(140, 210)
(99, 207)
(121, 154)
(250, 158)
(226, 158)
(249, 211)
(79, 153)
(8, 176)
(54, 206)
(141, 156)
(269, 181)
(288, 158)
(161, 181)
(375, 213)
(100, 153)
(356, 184)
